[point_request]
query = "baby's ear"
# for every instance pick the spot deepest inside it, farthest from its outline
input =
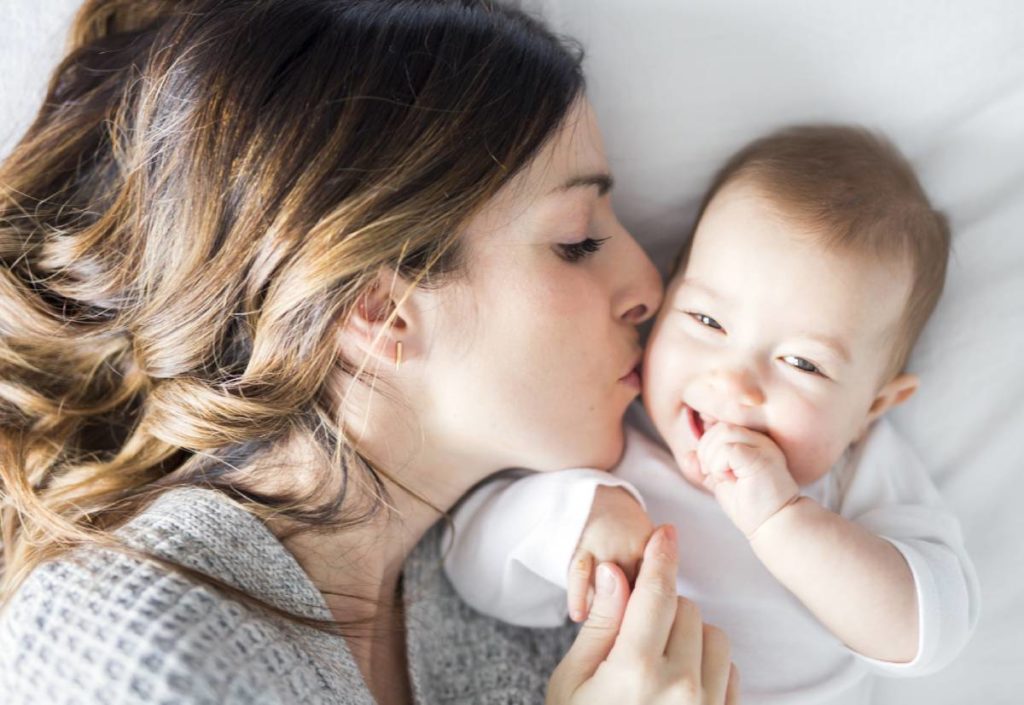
(894, 392)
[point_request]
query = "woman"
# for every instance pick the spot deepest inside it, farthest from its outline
(282, 280)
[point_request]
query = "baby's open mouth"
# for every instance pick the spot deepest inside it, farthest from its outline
(698, 422)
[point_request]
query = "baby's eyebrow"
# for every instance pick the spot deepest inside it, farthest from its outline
(691, 283)
(832, 343)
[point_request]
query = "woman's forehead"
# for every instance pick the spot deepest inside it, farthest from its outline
(566, 175)
(576, 151)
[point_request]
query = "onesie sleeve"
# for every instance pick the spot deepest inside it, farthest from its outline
(513, 539)
(892, 495)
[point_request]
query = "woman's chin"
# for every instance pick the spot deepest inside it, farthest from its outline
(606, 451)
(611, 447)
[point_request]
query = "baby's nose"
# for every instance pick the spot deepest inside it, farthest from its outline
(737, 386)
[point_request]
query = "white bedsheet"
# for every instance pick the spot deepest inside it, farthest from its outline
(679, 84)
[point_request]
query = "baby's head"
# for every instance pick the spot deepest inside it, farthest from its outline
(814, 264)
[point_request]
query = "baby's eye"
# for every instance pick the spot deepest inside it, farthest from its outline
(802, 364)
(705, 320)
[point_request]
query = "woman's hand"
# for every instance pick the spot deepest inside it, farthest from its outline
(649, 647)
(617, 531)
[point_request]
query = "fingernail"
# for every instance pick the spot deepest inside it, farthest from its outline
(670, 534)
(665, 543)
(605, 580)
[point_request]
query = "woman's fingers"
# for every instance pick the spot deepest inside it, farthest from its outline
(598, 634)
(662, 642)
(685, 646)
(716, 667)
(700, 653)
(652, 609)
(732, 695)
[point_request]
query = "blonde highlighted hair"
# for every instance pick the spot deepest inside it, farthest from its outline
(207, 190)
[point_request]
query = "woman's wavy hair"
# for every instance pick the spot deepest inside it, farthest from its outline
(207, 190)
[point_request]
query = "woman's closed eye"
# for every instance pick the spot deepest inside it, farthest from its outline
(576, 251)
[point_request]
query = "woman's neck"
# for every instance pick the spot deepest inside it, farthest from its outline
(422, 476)
(358, 571)
(358, 568)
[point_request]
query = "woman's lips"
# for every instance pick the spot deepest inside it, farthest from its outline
(633, 378)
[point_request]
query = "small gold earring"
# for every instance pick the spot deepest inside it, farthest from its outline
(398, 354)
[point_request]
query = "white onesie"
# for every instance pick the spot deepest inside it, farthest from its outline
(515, 536)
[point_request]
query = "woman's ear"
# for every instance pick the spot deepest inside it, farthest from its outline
(383, 325)
(894, 392)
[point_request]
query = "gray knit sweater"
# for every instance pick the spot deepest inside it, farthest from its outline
(105, 628)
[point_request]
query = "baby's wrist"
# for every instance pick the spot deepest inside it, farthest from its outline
(777, 518)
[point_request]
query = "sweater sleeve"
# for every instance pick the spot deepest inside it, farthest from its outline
(514, 538)
(893, 496)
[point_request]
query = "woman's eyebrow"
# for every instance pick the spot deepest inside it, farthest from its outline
(603, 181)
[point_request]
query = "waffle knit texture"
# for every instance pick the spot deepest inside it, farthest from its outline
(98, 627)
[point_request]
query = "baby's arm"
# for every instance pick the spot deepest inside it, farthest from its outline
(857, 584)
(514, 541)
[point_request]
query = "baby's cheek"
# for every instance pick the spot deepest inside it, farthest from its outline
(810, 441)
(663, 383)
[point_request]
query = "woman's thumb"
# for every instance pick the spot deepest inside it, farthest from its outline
(597, 636)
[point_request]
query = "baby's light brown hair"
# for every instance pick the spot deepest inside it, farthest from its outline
(858, 194)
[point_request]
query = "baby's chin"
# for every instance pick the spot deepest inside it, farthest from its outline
(691, 473)
(805, 477)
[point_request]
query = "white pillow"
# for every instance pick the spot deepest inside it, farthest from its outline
(678, 85)
(32, 37)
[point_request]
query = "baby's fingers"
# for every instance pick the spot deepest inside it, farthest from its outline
(581, 574)
(743, 460)
(711, 449)
(716, 463)
(690, 467)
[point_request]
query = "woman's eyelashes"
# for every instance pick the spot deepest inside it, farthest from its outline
(576, 251)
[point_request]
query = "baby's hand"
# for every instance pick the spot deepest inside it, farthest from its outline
(747, 473)
(617, 531)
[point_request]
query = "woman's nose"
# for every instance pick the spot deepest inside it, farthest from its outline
(737, 386)
(641, 289)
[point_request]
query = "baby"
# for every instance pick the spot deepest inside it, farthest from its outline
(807, 529)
